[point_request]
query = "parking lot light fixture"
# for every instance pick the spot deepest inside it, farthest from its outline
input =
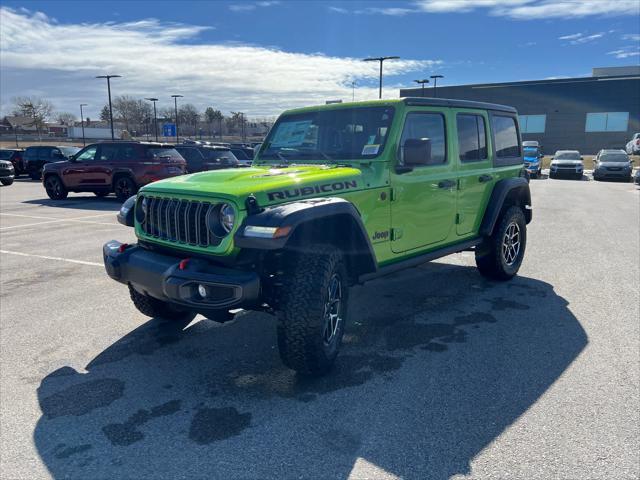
(155, 115)
(422, 82)
(435, 83)
(109, 77)
(175, 101)
(381, 60)
(84, 143)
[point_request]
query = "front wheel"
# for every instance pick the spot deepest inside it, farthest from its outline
(7, 181)
(312, 310)
(499, 257)
(152, 307)
(55, 188)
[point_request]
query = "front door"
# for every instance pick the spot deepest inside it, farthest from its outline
(475, 179)
(75, 170)
(424, 197)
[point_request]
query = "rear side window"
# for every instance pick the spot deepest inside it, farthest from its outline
(109, 152)
(31, 153)
(44, 153)
(505, 133)
(426, 125)
(472, 138)
(166, 153)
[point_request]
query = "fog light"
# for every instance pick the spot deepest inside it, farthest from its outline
(202, 291)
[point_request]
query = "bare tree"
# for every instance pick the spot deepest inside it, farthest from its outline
(188, 115)
(65, 118)
(35, 108)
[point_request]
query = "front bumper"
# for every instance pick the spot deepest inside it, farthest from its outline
(566, 171)
(622, 173)
(162, 277)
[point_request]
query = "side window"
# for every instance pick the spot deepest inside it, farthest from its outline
(505, 133)
(109, 152)
(127, 152)
(472, 138)
(420, 126)
(87, 155)
(44, 153)
(31, 154)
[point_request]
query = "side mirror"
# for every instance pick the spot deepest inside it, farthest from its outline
(417, 152)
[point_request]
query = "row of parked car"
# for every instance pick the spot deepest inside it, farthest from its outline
(608, 163)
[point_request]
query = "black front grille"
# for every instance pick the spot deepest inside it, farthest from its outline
(180, 221)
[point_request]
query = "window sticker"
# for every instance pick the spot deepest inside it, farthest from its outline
(291, 134)
(370, 149)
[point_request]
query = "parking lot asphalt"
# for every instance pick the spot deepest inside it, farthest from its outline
(442, 375)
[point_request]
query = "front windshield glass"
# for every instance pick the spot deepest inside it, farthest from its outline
(343, 134)
(531, 151)
(614, 157)
(568, 156)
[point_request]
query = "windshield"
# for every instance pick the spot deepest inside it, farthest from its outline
(614, 157)
(6, 154)
(568, 156)
(531, 151)
(354, 133)
(68, 151)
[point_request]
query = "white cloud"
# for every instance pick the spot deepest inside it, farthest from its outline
(337, 9)
(580, 38)
(535, 9)
(634, 37)
(573, 36)
(390, 11)
(248, 6)
(154, 58)
(626, 52)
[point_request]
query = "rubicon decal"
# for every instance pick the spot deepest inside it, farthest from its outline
(312, 190)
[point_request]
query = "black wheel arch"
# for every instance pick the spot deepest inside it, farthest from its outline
(506, 192)
(332, 221)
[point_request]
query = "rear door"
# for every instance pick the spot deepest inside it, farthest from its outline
(424, 198)
(474, 158)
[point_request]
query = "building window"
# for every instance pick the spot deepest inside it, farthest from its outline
(532, 123)
(607, 122)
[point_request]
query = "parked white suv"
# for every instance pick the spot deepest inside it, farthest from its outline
(633, 147)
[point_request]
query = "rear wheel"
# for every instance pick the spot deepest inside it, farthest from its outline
(124, 188)
(499, 257)
(7, 181)
(55, 188)
(313, 307)
(152, 307)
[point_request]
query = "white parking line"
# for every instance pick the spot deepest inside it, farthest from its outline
(56, 220)
(45, 257)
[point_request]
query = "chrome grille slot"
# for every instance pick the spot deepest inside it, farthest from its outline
(179, 221)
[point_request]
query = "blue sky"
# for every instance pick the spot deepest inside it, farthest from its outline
(264, 56)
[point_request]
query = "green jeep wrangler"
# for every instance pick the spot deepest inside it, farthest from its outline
(337, 195)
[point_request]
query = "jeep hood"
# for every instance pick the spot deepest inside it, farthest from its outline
(270, 185)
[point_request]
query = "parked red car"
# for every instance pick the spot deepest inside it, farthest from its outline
(14, 155)
(118, 167)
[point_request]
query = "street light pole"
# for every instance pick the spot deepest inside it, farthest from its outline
(422, 82)
(155, 115)
(435, 83)
(109, 77)
(381, 60)
(84, 143)
(175, 101)
(353, 91)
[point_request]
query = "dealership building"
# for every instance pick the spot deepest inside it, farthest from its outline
(584, 113)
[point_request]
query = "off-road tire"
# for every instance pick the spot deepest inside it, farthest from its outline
(124, 187)
(55, 188)
(152, 307)
(302, 303)
(490, 259)
(6, 181)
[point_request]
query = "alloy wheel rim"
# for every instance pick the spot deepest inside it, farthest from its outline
(54, 186)
(123, 187)
(511, 244)
(332, 310)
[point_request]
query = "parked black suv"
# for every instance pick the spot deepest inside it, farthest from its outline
(14, 155)
(36, 157)
(206, 157)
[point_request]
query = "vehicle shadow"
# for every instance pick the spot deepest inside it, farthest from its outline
(437, 363)
(86, 202)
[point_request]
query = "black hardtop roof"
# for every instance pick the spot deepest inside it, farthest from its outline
(208, 147)
(453, 103)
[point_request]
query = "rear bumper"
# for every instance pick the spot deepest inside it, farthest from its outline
(161, 277)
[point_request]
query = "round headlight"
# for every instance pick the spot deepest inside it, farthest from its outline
(227, 217)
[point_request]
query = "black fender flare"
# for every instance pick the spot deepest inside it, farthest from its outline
(502, 189)
(297, 215)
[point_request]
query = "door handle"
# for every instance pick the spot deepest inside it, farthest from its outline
(446, 184)
(485, 178)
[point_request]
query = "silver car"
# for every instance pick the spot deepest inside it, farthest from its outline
(566, 163)
(612, 164)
